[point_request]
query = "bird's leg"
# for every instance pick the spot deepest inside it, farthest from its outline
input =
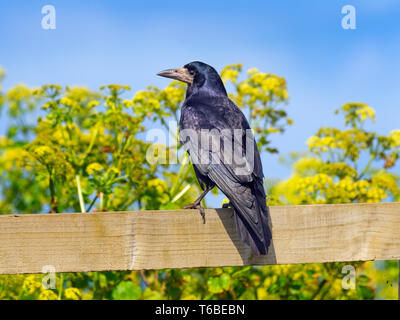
(196, 204)
(200, 208)
(198, 200)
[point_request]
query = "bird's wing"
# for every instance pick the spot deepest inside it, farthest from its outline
(230, 138)
(240, 181)
(246, 197)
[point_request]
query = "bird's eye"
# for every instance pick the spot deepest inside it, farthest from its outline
(191, 72)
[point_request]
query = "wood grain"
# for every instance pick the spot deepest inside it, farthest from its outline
(178, 239)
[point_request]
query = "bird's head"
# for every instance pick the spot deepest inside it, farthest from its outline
(199, 76)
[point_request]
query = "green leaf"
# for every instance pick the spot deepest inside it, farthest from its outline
(363, 278)
(102, 280)
(247, 295)
(149, 294)
(126, 290)
(225, 280)
(243, 272)
(169, 206)
(365, 292)
(214, 285)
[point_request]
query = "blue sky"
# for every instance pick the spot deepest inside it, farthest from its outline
(128, 42)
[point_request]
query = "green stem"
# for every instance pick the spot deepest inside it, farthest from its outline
(180, 194)
(53, 205)
(119, 179)
(398, 297)
(101, 201)
(61, 286)
(92, 203)
(366, 167)
(178, 181)
(72, 154)
(89, 149)
(81, 202)
(326, 290)
(321, 285)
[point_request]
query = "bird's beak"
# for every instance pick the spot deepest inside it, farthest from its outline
(181, 74)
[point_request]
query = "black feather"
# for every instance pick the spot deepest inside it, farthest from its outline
(207, 106)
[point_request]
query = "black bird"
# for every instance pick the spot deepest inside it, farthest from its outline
(207, 108)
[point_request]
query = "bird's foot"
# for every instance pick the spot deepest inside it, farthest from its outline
(228, 205)
(199, 207)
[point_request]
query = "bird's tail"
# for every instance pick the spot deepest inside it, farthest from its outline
(256, 235)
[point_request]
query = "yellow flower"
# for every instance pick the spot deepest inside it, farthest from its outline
(94, 168)
(252, 71)
(42, 150)
(226, 200)
(47, 295)
(113, 170)
(19, 92)
(73, 294)
(93, 103)
(394, 136)
(31, 284)
(116, 87)
(158, 184)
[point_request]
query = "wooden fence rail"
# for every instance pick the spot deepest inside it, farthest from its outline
(179, 239)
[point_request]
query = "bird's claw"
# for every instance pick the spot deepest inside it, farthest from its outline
(228, 205)
(200, 208)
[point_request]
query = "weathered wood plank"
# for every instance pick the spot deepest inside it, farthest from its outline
(178, 239)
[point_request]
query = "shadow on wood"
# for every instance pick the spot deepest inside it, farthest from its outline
(245, 252)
